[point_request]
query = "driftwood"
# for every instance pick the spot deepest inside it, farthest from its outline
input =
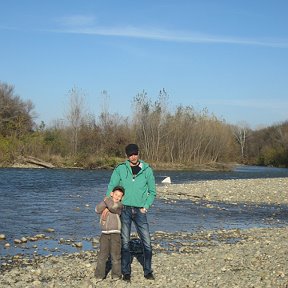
(38, 162)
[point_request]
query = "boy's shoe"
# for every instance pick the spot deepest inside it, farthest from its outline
(98, 277)
(127, 277)
(149, 276)
(97, 280)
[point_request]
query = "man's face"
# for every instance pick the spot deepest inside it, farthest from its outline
(116, 195)
(133, 158)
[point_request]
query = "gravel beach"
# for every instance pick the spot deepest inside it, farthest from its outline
(224, 258)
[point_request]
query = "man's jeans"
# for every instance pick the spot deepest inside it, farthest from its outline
(133, 214)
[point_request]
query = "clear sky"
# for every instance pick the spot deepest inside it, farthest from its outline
(230, 57)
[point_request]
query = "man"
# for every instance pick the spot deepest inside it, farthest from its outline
(137, 178)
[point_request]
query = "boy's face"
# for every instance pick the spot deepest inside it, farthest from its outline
(116, 195)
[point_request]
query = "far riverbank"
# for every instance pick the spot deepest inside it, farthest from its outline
(31, 162)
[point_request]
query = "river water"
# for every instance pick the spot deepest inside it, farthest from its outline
(32, 200)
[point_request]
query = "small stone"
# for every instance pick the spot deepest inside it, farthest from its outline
(17, 241)
(2, 237)
(7, 245)
(36, 283)
(33, 239)
(50, 230)
(40, 236)
(36, 272)
(24, 240)
(95, 241)
(78, 244)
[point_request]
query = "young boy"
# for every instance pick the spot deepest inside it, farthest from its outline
(110, 239)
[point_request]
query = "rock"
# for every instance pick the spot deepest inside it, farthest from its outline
(95, 240)
(78, 244)
(50, 230)
(2, 237)
(33, 239)
(7, 245)
(24, 240)
(17, 241)
(36, 272)
(40, 236)
(36, 283)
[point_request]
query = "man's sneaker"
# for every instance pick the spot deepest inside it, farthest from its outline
(126, 277)
(149, 276)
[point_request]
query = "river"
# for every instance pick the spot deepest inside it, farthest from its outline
(32, 200)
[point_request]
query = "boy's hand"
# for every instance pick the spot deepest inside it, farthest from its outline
(104, 214)
(105, 199)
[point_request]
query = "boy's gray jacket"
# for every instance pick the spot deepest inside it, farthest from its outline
(110, 211)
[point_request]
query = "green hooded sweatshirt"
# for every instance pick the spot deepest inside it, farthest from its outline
(140, 190)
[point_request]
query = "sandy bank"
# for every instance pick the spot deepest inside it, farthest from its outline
(267, 190)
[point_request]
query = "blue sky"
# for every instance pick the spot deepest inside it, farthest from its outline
(230, 57)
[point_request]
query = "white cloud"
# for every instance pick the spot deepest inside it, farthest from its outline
(86, 25)
(82, 24)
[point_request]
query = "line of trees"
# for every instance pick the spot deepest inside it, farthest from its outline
(180, 138)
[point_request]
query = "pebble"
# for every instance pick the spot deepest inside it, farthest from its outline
(250, 262)
(50, 230)
(24, 239)
(78, 244)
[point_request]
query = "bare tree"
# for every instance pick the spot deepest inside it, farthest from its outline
(104, 115)
(240, 132)
(149, 121)
(75, 115)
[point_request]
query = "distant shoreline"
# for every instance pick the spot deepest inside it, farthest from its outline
(39, 164)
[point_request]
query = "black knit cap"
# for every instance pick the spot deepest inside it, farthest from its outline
(131, 149)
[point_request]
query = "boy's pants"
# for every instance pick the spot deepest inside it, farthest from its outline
(110, 244)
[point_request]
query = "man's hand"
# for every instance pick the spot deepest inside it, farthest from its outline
(143, 210)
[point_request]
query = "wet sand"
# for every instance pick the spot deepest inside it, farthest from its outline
(222, 258)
